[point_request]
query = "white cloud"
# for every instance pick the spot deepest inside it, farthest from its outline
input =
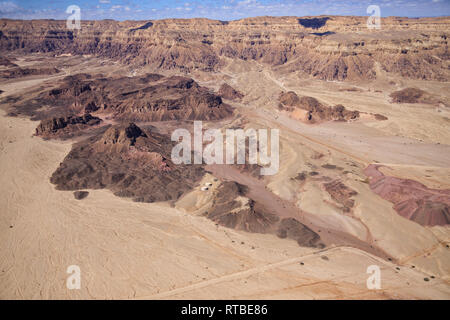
(224, 9)
(9, 7)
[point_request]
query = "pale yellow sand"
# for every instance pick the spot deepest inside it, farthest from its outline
(135, 250)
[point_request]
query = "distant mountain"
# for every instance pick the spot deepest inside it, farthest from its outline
(328, 48)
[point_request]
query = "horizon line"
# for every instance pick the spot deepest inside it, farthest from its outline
(244, 18)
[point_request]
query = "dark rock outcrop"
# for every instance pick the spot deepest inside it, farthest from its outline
(80, 195)
(292, 229)
(411, 199)
(233, 209)
(228, 92)
(6, 62)
(149, 97)
(340, 48)
(341, 194)
(314, 23)
(380, 117)
(66, 125)
(412, 95)
(17, 72)
(125, 136)
(131, 162)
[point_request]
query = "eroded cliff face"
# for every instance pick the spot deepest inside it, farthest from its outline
(328, 48)
(151, 97)
(310, 110)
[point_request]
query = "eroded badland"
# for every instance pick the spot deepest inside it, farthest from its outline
(88, 179)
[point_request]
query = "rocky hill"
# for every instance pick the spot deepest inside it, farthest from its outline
(329, 48)
(310, 110)
(411, 199)
(65, 125)
(413, 95)
(130, 161)
(228, 92)
(232, 208)
(150, 97)
(17, 72)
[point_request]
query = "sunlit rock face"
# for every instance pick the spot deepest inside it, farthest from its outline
(329, 48)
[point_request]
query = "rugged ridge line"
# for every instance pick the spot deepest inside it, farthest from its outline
(328, 48)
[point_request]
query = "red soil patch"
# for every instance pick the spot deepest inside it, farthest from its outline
(411, 199)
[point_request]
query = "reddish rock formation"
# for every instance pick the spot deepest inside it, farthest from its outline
(80, 195)
(228, 92)
(316, 111)
(411, 199)
(233, 209)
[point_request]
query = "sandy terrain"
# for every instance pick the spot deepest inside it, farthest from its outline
(153, 251)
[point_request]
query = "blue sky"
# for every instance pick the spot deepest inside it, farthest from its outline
(219, 9)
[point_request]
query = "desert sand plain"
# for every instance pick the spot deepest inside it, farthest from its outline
(130, 250)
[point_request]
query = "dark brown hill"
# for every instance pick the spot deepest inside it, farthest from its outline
(130, 161)
(228, 92)
(413, 95)
(233, 209)
(55, 127)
